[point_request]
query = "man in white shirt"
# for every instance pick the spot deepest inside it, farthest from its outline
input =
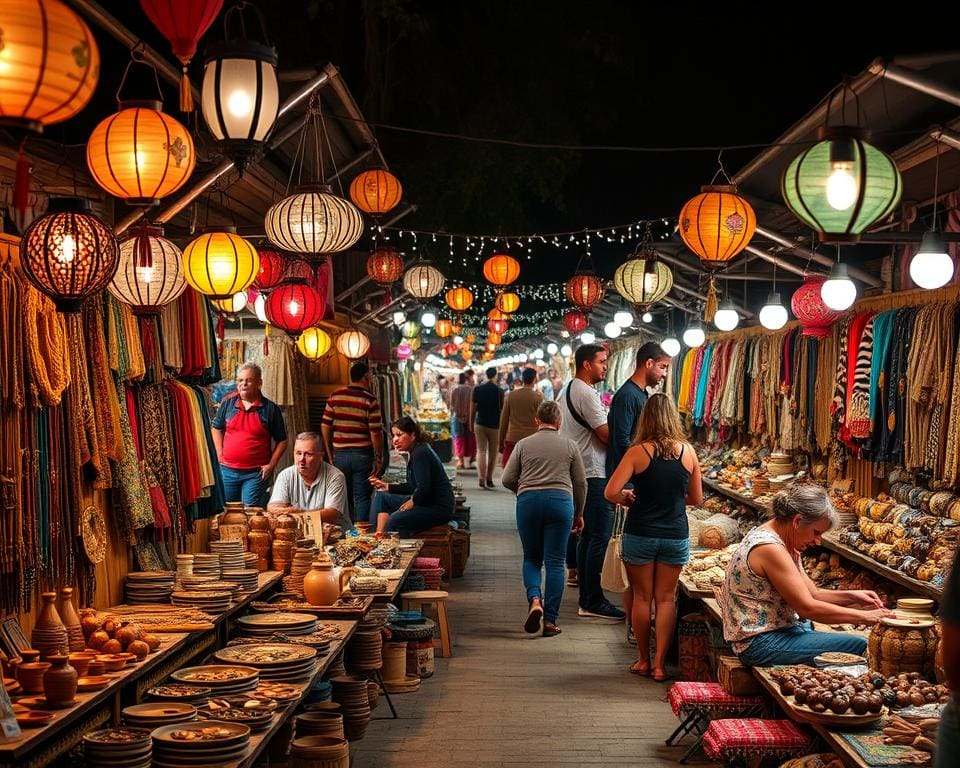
(585, 422)
(311, 487)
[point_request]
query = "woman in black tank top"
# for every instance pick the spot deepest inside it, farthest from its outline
(665, 476)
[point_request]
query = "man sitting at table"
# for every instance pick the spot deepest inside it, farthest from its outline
(311, 486)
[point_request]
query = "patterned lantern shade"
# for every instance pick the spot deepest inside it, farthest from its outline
(497, 321)
(815, 317)
(459, 299)
(294, 306)
(353, 344)
(376, 192)
(410, 329)
(69, 254)
(841, 185)
(150, 274)
(272, 269)
(140, 154)
(49, 63)
(585, 290)
(494, 338)
(385, 266)
(574, 321)
(423, 281)
(643, 281)
(314, 221)
(314, 343)
(219, 264)
(299, 269)
(233, 305)
(717, 224)
(501, 269)
(443, 328)
(507, 302)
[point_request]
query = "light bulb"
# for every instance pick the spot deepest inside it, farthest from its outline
(458, 340)
(565, 334)
(773, 315)
(931, 266)
(588, 337)
(293, 308)
(623, 318)
(838, 291)
(146, 274)
(726, 317)
(647, 317)
(238, 103)
(566, 350)
(841, 184)
(537, 354)
(694, 336)
(68, 250)
(522, 357)
(612, 330)
(428, 319)
(260, 308)
(552, 348)
(399, 318)
(671, 346)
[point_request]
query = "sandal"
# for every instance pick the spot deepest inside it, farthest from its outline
(663, 677)
(534, 617)
(640, 668)
(550, 629)
(573, 580)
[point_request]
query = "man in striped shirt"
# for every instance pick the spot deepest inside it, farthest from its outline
(353, 436)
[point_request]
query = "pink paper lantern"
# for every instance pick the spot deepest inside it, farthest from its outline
(815, 317)
(404, 351)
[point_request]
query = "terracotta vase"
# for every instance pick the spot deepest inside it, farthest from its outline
(324, 583)
(259, 539)
(71, 620)
(233, 526)
(30, 675)
(282, 553)
(49, 634)
(60, 681)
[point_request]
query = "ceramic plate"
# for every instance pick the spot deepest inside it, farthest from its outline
(93, 682)
(208, 736)
(266, 654)
(159, 710)
(180, 692)
(216, 675)
(34, 719)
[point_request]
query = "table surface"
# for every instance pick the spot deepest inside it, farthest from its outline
(406, 562)
(692, 590)
(732, 494)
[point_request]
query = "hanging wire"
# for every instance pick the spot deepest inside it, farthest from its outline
(936, 183)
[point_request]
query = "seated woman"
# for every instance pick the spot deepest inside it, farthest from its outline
(768, 599)
(425, 499)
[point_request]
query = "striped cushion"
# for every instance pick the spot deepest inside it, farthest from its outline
(707, 696)
(724, 739)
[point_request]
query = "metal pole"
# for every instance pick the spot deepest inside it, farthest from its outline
(820, 258)
(789, 266)
(913, 79)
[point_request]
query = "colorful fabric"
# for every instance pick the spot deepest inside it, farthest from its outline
(708, 697)
(724, 739)
(858, 401)
(353, 413)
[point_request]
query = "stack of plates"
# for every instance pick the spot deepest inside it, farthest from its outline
(231, 554)
(208, 602)
(248, 580)
(178, 692)
(216, 586)
(205, 564)
(351, 694)
(184, 566)
(364, 651)
(210, 742)
(277, 662)
(149, 586)
(224, 679)
(191, 582)
(250, 561)
(159, 713)
(118, 748)
(299, 567)
(254, 718)
(266, 624)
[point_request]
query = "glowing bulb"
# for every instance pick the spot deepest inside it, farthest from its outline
(68, 250)
(694, 336)
(522, 357)
(293, 308)
(931, 266)
(239, 103)
(428, 319)
(260, 308)
(537, 354)
(588, 337)
(145, 274)
(566, 350)
(841, 188)
(458, 340)
(552, 348)
(623, 318)
(838, 291)
(565, 334)
(726, 317)
(671, 346)
(773, 315)
(399, 318)
(647, 317)
(612, 330)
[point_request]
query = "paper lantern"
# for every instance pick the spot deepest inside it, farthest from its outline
(385, 266)
(353, 344)
(272, 270)
(233, 305)
(497, 321)
(150, 274)
(423, 281)
(376, 192)
(501, 269)
(466, 353)
(299, 269)
(443, 328)
(293, 306)
(643, 280)
(410, 329)
(49, 63)
(815, 317)
(218, 264)
(404, 351)
(717, 224)
(140, 154)
(459, 299)
(841, 185)
(494, 338)
(585, 290)
(507, 302)
(574, 321)
(314, 221)
(314, 343)
(69, 254)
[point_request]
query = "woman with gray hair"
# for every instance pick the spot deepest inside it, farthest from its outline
(546, 472)
(769, 601)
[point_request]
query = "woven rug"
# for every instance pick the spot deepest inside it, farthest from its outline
(869, 745)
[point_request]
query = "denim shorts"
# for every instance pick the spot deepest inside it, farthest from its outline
(640, 550)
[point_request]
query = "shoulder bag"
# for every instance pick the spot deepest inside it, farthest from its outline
(613, 575)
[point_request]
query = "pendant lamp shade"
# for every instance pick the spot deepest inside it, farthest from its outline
(313, 221)
(69, 254)
(508, 302)
(574, 321)
(410, 329)
(773, 315)
(815, 317)
(49, 63)
(717, 224)
(385, 266)
(294, 306)
(150, 274)
(643, 280)
(501, 269)
(694, 336)
(272, 269)
(443, 328)
(218, 264)
(671, 346)
(838, 290)
(428, 319)
(624, 318)
(611, 330)
(585, 290)
(353, 344)
(459, 299)
(931, 266)
(314, 343)
(376, 192)
(726, 317)
(423, 281)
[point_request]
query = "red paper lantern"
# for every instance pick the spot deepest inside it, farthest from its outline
(272, 269)
(815, 317)
(294, 306)
(299, 269)
(497, 321)
(585, 290)
(575, 321)
(385, 266)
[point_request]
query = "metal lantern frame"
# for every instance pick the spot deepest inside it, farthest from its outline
(150, 273)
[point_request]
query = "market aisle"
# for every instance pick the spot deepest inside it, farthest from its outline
(509, 699)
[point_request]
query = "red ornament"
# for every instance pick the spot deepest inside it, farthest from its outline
(585, 290)
(575, 321)
(815, 317)
(272, 269)
(294, 306)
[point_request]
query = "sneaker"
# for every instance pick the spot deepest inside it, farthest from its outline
(606, 611)
(572, 579)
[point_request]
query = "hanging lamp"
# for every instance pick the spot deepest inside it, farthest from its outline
(726, 317)
(773, 315)
(671, 346)
(273, 267)
(611, 330)
(588, 337)
(220, 263)
(717, 224)
(808, 307)
(584, 290)
(385, 267)
(693, 335)
(428, 318)
(233, 305)
(508, 302)
(353, 344)
(459, 299)
(574, 321)
(294, 306)
(423, 281)
(643, 279)
(410, 329)
(399, 317)
(376, 192)
(501, 269)
(931, 266)
(314, 343)
(443, 328)
(497, 321)
(150, 272)
(623, 317)
(838, 290)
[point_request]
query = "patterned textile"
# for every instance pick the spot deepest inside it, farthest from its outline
(710, 697)
(858, 403)
(158, 452)
(838, 456)
(683, 396)
(747, 737)
(130, 486)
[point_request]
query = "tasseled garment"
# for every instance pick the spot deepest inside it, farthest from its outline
(838, 453)
(858, 402)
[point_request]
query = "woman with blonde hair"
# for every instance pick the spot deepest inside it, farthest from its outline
(663, 470)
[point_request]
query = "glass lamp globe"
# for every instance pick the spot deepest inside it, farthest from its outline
(399, 318)
(623, 318)
(537, 354)
(588, 337)
(612, 330)
(773, 315)
(694, 336)
(647, 317)
(726, 317)
(671, 346)
(552, 348)
(566, 350)
(931, 266)
(838, 291)
(522, 357)
(428, 319)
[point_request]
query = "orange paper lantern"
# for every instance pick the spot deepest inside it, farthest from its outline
(585, 290)
(376, 192)
(717, 224)
(501, 269)
(385, 266)
(494, 338)
(459, 299)
(508, 302)
(443, 328)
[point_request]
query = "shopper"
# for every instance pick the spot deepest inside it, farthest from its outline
(464, 442)
(519, 416)
(585, 422)
(353, 435)
(768, 599)
(425, 499)
(948, 734)
(665, 476)
(555, 383)
(485, 416)
(250, 437)
(545, 385)
(546, 472)
(311, 487)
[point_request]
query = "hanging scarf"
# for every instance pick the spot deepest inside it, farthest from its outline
(882, 333)
(109, 439)
(702, 385)
(46, 342)
(838, 455)
(130, 487)
(858, 401)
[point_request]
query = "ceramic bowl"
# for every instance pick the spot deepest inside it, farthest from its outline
(112, 662)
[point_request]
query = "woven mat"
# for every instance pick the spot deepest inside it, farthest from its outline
(869, 745)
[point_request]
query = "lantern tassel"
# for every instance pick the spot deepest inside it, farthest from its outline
(266, 341)
(710, 308)
(21, 183)
(186, 92)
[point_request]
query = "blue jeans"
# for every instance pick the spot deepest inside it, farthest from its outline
(544, 519)
(244, 485)
(409, 522)
(948, 735)
(798, 645)
(357, 465)
(597, 527)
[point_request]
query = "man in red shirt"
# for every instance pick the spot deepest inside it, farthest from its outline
(250, 437)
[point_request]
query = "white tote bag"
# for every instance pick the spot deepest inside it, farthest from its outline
(613, 575)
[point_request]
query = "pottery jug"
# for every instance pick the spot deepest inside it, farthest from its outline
(324, 583)
(49, 634)
(60, 681)
(71, 620)
(233, 526)
(30, 675)
(260, 539)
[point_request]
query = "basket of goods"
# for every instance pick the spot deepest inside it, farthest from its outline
(718, 531)
(905, 643)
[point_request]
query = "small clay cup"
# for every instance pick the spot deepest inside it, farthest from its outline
(30, 675)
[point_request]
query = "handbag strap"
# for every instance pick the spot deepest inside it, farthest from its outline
(619, 519)
(573, 411)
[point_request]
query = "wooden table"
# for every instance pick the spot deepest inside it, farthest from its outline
(406, 562)
(691, 590)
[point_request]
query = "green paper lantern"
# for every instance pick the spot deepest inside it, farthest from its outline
(410, 329)
(841, 185)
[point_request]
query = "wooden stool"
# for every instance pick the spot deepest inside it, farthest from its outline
(416, 600)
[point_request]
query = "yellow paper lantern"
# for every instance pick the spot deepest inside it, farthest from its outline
(376, 192)
(353, 344)
(219, 264)
(233, 305)
(466, 353)
(717, 224)
(459, 299)
(501, 269)
(443, 328)
(314, 343)
(508, 302)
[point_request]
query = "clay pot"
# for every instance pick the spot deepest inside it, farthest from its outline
(49, 634)
(29, 655)
(259, 539)
(233, 526)
(282, 553)
(287, 528)
(30, 675)
(323, 585)
(71, 620)
(81, 661)
(319, 724)
(60, 681)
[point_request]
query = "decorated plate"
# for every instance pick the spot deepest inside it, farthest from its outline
(265, 654)
(215, 674)
(159, 710)
(180, 692)
(118, 737)
(211, 734)
(93, 531)
(279, 691)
